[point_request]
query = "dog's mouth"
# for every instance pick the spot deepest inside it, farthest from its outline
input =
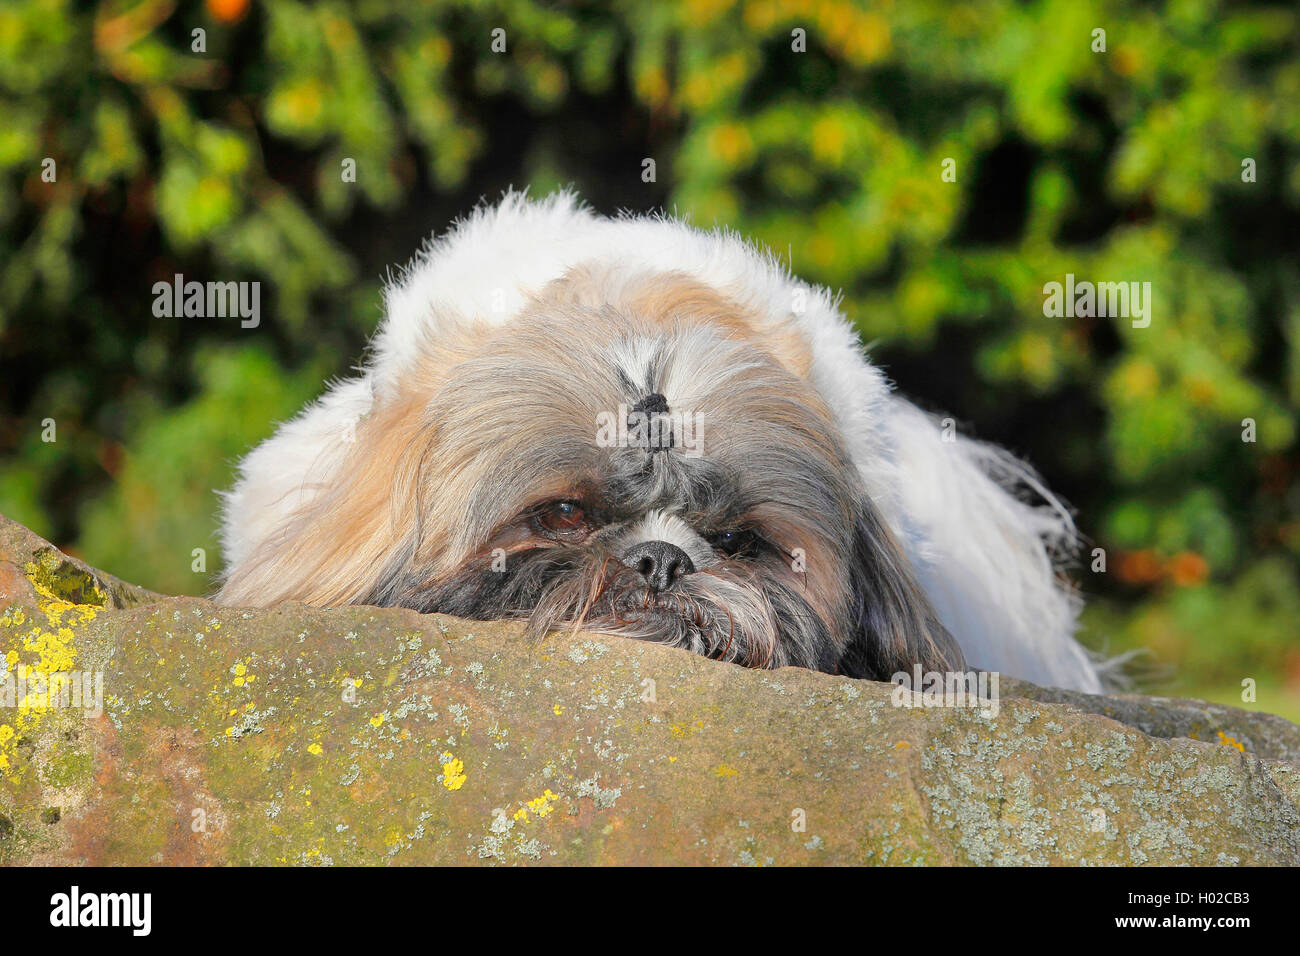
(643, 603)
(672, 618)
(710, 614)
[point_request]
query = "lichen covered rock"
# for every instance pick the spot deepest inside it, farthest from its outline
(364, 735)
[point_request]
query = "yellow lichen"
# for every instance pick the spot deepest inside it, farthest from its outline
(453, 772)
(43, 650)
(1233, 742)
(541, 806)
(242, 676)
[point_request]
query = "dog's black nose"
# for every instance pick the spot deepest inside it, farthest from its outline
(659, 562)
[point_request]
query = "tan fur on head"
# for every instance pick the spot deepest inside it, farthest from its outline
(674, 298)
(329, 550)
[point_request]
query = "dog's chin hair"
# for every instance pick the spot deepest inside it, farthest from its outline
(724, 613)
(710, 615)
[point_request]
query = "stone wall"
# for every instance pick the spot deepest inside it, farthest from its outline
(365, 735)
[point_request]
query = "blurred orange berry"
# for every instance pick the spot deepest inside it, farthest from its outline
(227, 11)
(1188, 569)
(1139, 567)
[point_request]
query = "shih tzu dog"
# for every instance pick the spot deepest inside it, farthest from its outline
(634, 427)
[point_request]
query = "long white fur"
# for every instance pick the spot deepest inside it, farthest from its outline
(985, 558)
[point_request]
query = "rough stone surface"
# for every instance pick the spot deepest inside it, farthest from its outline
(364, 735)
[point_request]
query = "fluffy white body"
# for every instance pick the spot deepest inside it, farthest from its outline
(985, 556)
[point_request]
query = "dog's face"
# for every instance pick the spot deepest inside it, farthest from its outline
(653, 476)
(627, 455)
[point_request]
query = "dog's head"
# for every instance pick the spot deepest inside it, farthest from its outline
(627, 457)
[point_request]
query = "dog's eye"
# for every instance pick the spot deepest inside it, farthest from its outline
(734, 542)
(562, 519)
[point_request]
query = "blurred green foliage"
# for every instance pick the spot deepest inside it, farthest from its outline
(1122, 165)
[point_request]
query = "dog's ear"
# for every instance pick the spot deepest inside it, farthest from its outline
(893, 626)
